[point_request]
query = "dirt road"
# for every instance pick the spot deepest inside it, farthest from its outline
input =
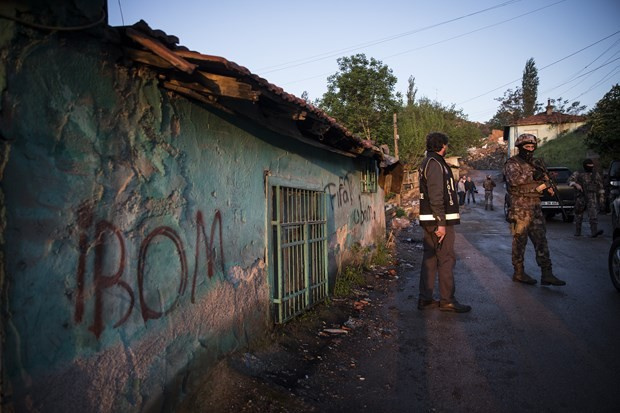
(521, 348)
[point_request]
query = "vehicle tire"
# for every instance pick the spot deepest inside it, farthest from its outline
(614, 263)
(549, 215)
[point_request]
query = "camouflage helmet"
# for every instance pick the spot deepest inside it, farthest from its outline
(526, 138)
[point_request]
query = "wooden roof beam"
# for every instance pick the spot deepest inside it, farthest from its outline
(160, 50)
(227, 86)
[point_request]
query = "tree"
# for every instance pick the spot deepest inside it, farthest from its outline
(361, 96)
(529, 87)
(510, 109)
(417, 120)
(518, 103)
(562, 106)
(604, 134)
(411, 91)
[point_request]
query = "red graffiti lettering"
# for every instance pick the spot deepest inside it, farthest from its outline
(208, 245)
(85, 220)
(147, 312)
(104, 246)
(104, 281)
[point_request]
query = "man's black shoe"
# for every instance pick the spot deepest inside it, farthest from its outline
(455, 307)
(427, 304)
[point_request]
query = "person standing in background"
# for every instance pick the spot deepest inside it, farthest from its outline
(589, 192)
(471, 190)
(460, 189)
(488, 186)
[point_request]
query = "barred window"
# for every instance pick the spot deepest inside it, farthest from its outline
(368, 180)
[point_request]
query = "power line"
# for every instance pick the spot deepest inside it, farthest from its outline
(421, 47)
(600, 82)
(327, 55)
(474, 31)
(541, 69)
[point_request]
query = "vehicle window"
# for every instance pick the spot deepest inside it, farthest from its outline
(614, 169)
(560, 176)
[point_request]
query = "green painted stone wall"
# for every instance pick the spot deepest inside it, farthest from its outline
(134, 227)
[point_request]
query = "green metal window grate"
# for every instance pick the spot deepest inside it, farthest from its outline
(299, 234)
(368, 179)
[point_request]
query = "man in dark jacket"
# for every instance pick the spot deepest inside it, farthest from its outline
(439, 212)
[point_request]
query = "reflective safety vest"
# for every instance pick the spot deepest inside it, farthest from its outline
(450, 197)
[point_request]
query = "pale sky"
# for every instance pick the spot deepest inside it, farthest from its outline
(462, 53)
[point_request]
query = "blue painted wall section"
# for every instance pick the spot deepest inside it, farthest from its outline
(133, 227)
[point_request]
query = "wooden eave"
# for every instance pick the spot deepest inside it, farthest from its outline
(217, 82)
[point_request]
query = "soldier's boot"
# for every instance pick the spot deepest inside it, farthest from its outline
(595, 232)
(549, 279)
(522, 277)
(486, 207)
(577, 230)
(492, 207)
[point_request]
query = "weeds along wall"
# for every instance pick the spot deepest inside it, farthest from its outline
(134, 228)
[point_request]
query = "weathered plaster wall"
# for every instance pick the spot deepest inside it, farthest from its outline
(134, 244)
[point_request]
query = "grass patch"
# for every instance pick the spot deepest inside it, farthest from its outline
(382, 255)
(363, 259)
(567, 150)
(351, 277)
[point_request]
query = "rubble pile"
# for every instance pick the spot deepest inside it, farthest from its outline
(491, 156)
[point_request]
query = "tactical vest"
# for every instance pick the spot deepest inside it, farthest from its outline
(527, 190)
(451, 203)
(588, 182)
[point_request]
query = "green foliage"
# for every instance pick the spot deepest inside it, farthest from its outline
(382, 254)
(411, 91)
(417, 120)
(567, 150)
(400, 213)
(351, 277)
(604, 134)
(529, 87)
(509, 111)
(564, 106)
(361, 96)
(362, 259)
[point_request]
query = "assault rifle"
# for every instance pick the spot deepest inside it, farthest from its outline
(541, 173)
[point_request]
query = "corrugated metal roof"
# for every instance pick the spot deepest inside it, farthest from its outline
(232, 88)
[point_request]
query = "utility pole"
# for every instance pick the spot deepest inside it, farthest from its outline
(395, 136)
(397, 197)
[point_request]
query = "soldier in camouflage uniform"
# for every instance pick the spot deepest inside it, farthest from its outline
(525, 182)
(488, 186)
(588, 191)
